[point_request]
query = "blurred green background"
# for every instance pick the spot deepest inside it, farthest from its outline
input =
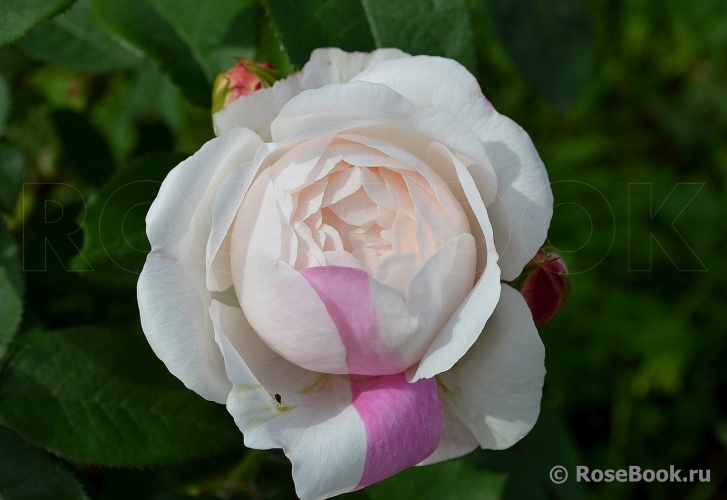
(626, 101)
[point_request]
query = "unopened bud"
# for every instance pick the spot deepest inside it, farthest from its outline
(244, 78)
(545, 286)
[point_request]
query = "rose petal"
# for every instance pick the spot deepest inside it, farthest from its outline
(233, 189)
(456, 439)
(397, 269)
(356, 209)
(396, 186)
(341, 184)
(440, 180)
(467, 322)
(432, 82)
(171, 289)
(376, 189)
(299, 167)
(227, 200)
(431, 213)
(383, 330)
(496, 387)
(443, 282)
(342, 259)
(309, 199)
(278, 302)
(173, 317)
(339, 434)
(258, 110)
(521, 214)
(333, 65)
(347, 295)
(371, 101)
(403, 423)
(315, 422)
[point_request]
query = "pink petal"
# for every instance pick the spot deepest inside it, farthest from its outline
(346, 293)
(403, 423)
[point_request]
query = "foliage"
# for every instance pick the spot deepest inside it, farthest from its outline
(626, 102)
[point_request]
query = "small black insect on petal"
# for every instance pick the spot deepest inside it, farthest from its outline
(278, 398)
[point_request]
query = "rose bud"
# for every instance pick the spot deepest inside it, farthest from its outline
(546, 286)
(244, 78)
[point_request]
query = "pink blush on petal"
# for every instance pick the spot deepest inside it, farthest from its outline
(346, 293)
(403, 423)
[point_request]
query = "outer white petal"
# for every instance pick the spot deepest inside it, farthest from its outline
(315, 421)
(333, 65)
(495, 389)
(258, 110)
(521, 214)
(373, 101)
(172, 295)
(456, 439)
(433, 82)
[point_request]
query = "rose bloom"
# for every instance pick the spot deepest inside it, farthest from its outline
(330, 267)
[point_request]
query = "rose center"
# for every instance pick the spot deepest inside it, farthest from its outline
(366, 210)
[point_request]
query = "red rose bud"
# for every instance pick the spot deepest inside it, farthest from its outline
(244, 78)
(546, 287)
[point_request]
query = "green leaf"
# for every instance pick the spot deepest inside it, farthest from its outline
(450, 480)
(73, 40)
(12, 170)
(115, 242)
(12, 288)
(141, 25)
(26, 472)
(205, 26)
(10, 260)
(4, 105)
(304, 26)
(102, 397)
(432, 27)
(269, 46)
(149, 98)
(18, 16)
(550, 42)
(11, 309)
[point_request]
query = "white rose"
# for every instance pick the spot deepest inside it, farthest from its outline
(329, 267)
